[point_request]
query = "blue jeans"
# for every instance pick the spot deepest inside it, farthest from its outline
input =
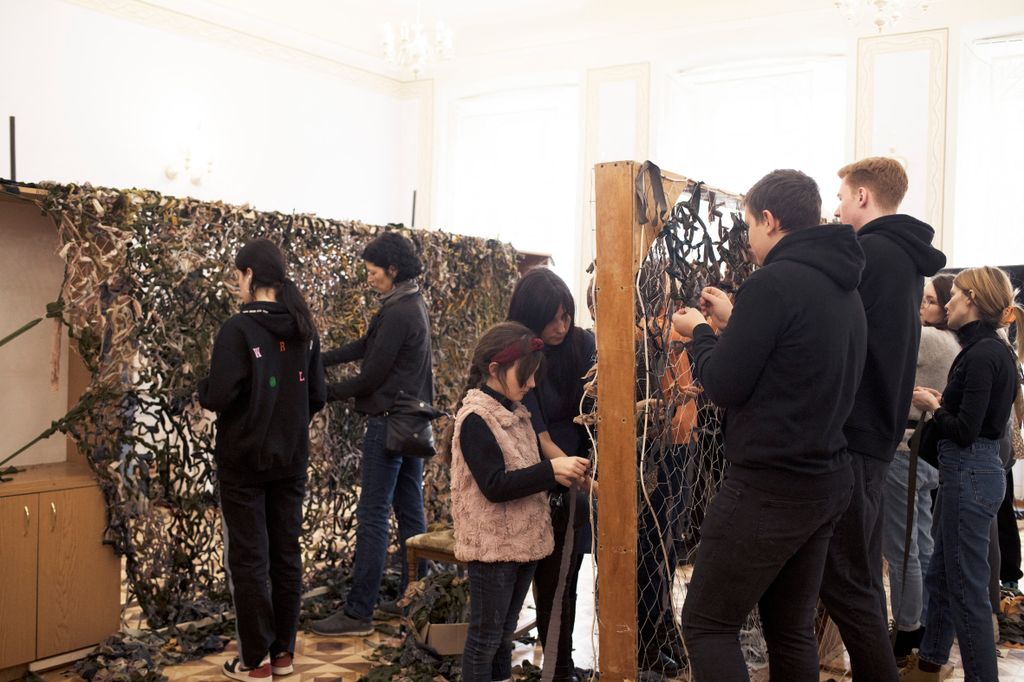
(971, 486)
(496, 594)
(387, 481)
(908, 599)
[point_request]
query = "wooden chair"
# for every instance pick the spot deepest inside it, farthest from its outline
(440, 546)
(436, 546)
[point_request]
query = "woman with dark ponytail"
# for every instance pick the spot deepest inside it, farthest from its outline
(395, 355)
(266, 382)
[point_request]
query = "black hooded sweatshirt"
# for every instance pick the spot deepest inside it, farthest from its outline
(787, 366)
(265, 385)
(899, 256)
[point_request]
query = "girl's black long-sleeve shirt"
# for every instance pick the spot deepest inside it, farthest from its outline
(981, 387)
(486, 462)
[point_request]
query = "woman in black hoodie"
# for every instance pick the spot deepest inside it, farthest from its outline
(971, 416)
(265, 384)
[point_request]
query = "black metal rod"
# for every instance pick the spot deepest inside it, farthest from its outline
(413, 209)
(14, 170)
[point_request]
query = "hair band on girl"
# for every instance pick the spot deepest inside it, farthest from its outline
(513, 351)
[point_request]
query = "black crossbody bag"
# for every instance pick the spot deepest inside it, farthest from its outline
(408, 431)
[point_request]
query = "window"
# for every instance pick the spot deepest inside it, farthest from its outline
(730, 125)
(990, 149)
(513, 172)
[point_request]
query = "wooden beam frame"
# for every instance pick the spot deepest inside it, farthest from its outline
(623, 239)
(616, 224)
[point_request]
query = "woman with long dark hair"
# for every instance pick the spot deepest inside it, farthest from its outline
(395, 355)
(970, 415)
(266, 382)
(939, 345)
(542, 302)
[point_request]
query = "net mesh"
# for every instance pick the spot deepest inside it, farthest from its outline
(702, 241)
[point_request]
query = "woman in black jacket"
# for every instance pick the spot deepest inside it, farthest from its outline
(395, 354)
(970, 415)
(542, 302)
(265, 384)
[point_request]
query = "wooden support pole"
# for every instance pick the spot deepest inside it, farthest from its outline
(616, 387)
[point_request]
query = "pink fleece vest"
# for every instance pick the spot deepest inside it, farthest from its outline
(517, 530)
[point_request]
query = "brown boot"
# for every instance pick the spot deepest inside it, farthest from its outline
(912, 673)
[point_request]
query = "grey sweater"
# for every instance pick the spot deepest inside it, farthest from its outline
(934, 358)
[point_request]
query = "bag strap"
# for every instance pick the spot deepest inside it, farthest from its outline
(555, 620)
(915, 447)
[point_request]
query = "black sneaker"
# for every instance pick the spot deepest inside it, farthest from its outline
(389, 609)
(236, 671)
(341, 624)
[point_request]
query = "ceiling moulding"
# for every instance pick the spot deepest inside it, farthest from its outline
(168, 20)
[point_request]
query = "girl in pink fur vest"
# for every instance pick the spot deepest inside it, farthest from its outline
(499, 494)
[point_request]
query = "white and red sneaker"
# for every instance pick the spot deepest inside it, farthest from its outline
(281, 664)
(237, 671)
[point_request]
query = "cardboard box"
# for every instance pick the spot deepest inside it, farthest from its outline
(447, 640)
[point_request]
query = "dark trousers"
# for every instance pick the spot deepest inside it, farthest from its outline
(1009, 536)
(758, 549)
(261, 524)
(496, 595)
(545, 581)
(387, 482)
(852, 589)
(656, 550)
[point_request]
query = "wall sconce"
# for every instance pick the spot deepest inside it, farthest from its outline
(194, 168)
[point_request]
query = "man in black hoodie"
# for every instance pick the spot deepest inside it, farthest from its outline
(786, 369)
(899, 255)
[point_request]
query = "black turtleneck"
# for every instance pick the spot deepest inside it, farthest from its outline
(487, 463)
(980, 390)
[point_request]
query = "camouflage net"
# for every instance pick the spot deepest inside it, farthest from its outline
(148, 282)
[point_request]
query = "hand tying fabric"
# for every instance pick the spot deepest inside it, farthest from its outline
(926, 398)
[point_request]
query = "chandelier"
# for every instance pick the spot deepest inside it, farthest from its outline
(884, 13)
(413, 47)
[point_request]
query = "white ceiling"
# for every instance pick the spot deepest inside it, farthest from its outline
(350, 31)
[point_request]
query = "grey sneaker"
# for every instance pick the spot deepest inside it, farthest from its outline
(341, 624)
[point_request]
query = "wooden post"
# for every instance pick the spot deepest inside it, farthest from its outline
(616, 429)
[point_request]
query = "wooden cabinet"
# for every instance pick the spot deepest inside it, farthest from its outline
(59, 584)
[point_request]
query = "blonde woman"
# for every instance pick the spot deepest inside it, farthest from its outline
(970, 415)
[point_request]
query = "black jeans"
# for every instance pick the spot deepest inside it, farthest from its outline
(262, 523)
(852, 589)
(546, 582)
(758, 549)
(1009, 536)
(496, 595)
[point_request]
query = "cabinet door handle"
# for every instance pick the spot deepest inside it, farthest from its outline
(53, 509)
(28, 520)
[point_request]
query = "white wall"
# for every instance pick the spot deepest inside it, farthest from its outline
(110, 101)
(31, 277)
